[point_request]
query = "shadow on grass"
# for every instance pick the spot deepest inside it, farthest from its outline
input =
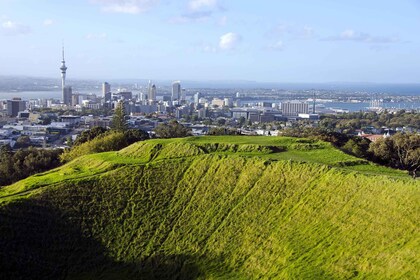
(39, 242)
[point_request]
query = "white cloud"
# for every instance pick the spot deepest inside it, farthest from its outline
(193, 17)
(278, 46)
(48, 22)
(14, 28)
(99, 36)
(351, 35)
(292, 31)
(198, 11)
(229, 41)
(200, 5)
(126, 6)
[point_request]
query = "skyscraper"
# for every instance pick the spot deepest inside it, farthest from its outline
(197, 97)
(66, 90)
(106, 87)
(15, 106)
(152, 93)
(106, 91)
(67, 95)
(176, 90)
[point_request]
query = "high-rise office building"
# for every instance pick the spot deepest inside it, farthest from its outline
(67, 95)
(15, 106)
(106, 91)
(294, 108)
(66, 90)
(152, 93)
(106, 88)
(197, 97)
(176, 90)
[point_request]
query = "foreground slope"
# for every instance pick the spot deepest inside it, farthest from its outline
(213, 207)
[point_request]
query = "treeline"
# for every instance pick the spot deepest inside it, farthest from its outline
(348, 123)
(401, 151)
(22, 163)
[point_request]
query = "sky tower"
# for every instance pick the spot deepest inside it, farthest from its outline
(63, 69)
(66, 91)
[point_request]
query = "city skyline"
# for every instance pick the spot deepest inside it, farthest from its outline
(350, 41)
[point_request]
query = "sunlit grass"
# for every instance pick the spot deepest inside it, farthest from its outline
(223, 208)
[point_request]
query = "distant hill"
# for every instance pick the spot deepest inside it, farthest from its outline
(213, 208)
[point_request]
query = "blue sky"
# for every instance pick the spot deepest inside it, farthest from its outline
(266, 40)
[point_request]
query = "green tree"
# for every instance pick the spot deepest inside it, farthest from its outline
(89, 134)
(23, 163)
(135, 135)
(223, 131)
(241, 121)
(118, 121)
(173, 129)
(399, 151)
(23, 141)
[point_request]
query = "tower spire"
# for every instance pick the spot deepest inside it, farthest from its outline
(63, 52)
(63, 69)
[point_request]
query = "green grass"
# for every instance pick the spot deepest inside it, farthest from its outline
(213, 208)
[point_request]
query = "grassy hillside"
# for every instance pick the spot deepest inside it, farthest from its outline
(213, 208)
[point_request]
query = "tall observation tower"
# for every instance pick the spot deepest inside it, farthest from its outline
(63, 69)
(66, 91)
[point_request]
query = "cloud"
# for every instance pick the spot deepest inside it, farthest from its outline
(99, 36)
(229, 41)
(278, 46)
(351, 35)
(203, 5)
(126, 6)
(292, 31)
(281, 29)
(198, 11)
(48, 22)
(12, 28)
(192, 17)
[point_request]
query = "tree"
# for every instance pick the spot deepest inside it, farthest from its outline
(221, 121)
(23, 163)
(241, 121)
(135, 135)
(223, 131)
(399, 151)
(172, 130)
(118, 121)
(89, 134)
(23, 141)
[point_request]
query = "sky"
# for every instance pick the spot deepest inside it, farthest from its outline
(210, 40)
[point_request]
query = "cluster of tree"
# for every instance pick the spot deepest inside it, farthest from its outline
(88, 135)
(348, 123)
(223, 131)
(350, 144)
(400, 151)
(173, 129)
(22, 163)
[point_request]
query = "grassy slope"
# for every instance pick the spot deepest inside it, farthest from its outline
(213, 207)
